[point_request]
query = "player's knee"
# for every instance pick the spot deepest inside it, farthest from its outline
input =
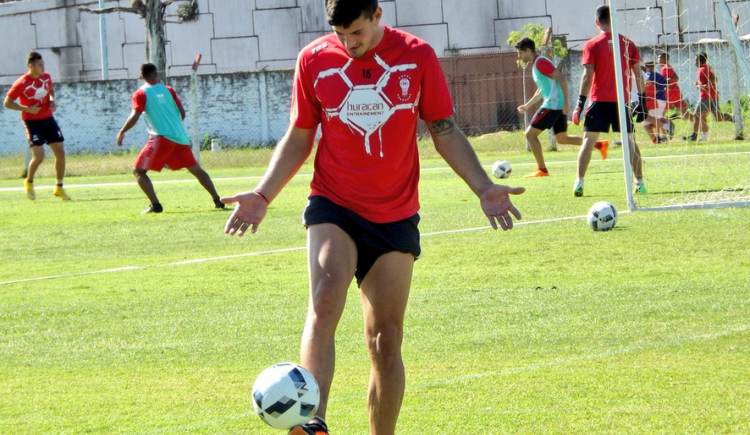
(384, 345)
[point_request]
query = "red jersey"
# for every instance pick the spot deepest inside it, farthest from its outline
(367, 158)
(673, 90)
(707, 80)
(30, 92)
(598, 52)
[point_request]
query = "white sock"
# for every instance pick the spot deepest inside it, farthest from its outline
(638, 181)
(704, 135)
(59, 182)
(579, 182)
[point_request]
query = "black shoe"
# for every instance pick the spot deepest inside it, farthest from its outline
(220, 205)
(692, 138)
(316, 426)
(153, 208)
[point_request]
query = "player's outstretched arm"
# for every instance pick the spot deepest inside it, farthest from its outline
(453, 146)
(291, 152)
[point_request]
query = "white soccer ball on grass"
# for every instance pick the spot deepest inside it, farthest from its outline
(602, 216)
(285, 395)
(501, 169)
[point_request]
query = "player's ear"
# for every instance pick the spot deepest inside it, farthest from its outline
(377, 15)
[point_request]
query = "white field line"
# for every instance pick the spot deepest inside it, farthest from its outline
(275, 251)
(560, 362)
(442, 168)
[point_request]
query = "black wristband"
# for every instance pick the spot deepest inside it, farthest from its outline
(581, 101)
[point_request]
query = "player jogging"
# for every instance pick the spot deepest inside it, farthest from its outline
(365, 85)
(36, 102)
(168, 143)
(599, 78)
(656, 102)
(709, 94)
(552, 88)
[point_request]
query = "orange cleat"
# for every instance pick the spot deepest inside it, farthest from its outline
(602, 146)
(537, 173)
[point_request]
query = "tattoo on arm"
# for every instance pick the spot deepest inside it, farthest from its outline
(442, 127)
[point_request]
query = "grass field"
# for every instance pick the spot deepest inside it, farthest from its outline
(550, 328)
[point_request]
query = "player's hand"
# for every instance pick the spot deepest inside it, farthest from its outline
(248, 213)
(566, 110)
(522, 108)
(120, 138)
(579, 109)
(496, 205)
(577, 115)
(33, 109)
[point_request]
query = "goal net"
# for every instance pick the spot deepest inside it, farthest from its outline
(689, 164)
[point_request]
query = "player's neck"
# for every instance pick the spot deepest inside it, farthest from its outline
(34, 76)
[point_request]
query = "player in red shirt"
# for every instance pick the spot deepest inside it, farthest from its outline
(709, 95)
(365, 85)
(674, 95)
(599, 78)
(36, 102)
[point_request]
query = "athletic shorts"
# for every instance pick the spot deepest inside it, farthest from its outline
(549, 118)
(658, 111)
(600, 116)
(160, 152)
(371, 239)
(42, 131)
(707, 105)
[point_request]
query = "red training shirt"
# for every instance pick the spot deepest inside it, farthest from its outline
(367, 158)
(707, 80)
(30, 92)
(598, 52)
(673, 90)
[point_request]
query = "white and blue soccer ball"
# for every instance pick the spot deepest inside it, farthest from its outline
(501, 169)
(285, 395)
(602, 216)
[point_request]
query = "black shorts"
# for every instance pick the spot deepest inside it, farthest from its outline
(371, 239)
(41, 131)
(549, 118)
(601, 115)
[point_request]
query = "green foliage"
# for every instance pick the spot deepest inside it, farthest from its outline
(188, 12)
(536, 33)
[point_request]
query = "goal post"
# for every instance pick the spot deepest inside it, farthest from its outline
(711, 168)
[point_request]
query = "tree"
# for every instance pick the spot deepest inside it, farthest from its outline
(153, 12)
(536, 33)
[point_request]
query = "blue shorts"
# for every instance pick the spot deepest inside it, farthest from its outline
(371, 239)
(41, 131)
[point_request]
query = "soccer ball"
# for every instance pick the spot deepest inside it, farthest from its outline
(285, 395)
(602, 216)
(501, 169)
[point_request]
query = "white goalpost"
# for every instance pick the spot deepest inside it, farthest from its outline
(712, 168)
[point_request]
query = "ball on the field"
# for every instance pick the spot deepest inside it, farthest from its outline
(285, 395)
(501, 169)
(602, 216)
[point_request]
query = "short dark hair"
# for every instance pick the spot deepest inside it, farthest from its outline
(602, 15)
(665, 54)
(148, 69)
(33, 57)
(702, 58)
(525, 44)
(345, 12)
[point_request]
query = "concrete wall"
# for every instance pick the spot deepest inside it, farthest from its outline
(245, 35)
(249, 108)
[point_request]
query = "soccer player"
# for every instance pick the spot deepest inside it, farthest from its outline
(656, 102)
(36, 95)
(674, 95)
(706, 84)
(365, 85)
(552, 88)
(168, 144)
(599, 79)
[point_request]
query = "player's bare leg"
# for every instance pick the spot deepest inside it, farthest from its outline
(144, 182)
(37, 157)
(532, 135)
(205, 180)
(332, 258)
(584, 158)
(59, 150)
(565, 139)
(384, 293)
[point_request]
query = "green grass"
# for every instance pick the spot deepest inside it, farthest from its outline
(549, 328)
